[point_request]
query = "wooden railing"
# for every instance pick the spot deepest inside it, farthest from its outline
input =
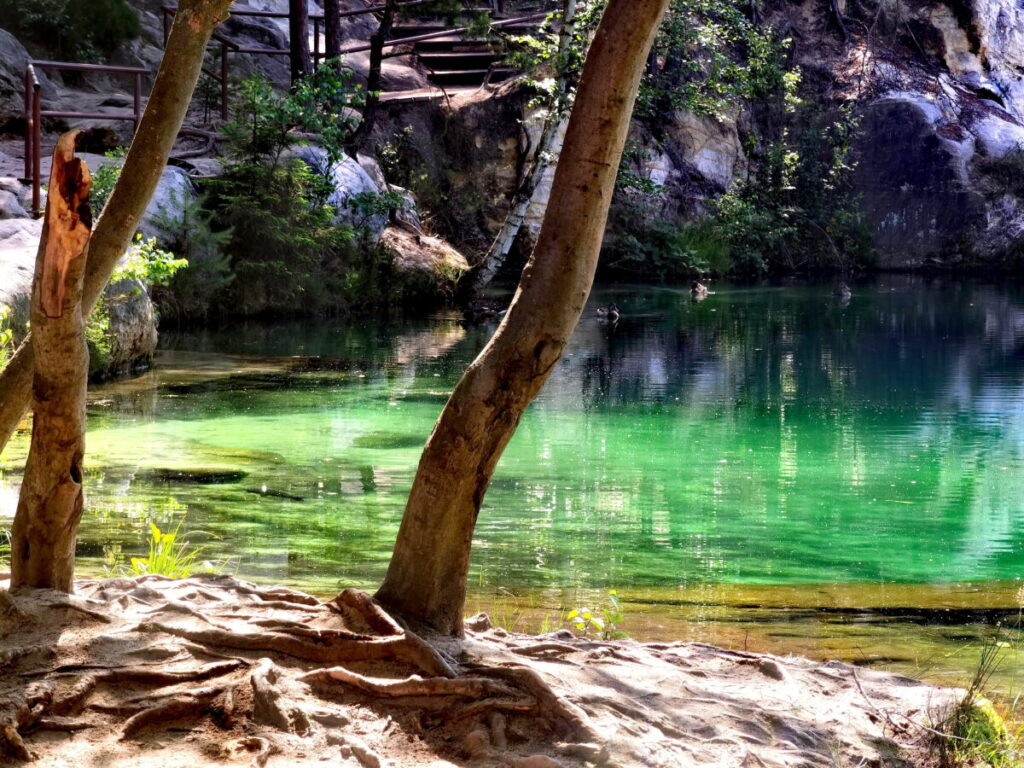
(496, 6)
(33, 107)
(34, 113)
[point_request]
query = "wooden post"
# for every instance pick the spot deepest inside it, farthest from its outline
(50, 504)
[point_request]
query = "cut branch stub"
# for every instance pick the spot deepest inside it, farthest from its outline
(68, 223)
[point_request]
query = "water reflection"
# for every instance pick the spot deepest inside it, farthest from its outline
(764, 435)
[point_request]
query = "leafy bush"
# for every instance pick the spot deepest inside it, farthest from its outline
(79, 30)
(148, 263)
(287, 253)
(798, 211)
(642, 245)
(665, 252)
(708, 55)
(144, 261)
(104, 179)
(190, 293)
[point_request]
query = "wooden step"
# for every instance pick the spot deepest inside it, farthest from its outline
(454, 45)
(459, 59)
(450, 77)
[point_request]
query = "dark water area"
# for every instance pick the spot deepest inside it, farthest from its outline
(770, 468)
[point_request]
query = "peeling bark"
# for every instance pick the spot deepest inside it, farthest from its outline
(426, 579)
(50, 504)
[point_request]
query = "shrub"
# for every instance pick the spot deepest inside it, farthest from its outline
(104, 179)
(798, 211)
(144, 261)
(190, 293)
(287, 253)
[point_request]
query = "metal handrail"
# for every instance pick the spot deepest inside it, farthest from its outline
(34, 113)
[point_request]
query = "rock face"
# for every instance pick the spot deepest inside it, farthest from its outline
(941, 104)
(914, 185)
(13, 61)
(939, 97)
(351, 185)
(132, 335)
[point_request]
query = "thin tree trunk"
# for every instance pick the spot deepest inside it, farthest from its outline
(298, 39)
(161, 121)
(50, 504)
(373, 75)
(332, 29)
(506, 237)
(426, 579)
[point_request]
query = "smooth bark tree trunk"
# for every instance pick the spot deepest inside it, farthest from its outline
(161, 121)
(332, 29)
(506, 237)
(50, 504)
(426, 579)
(373, 75)
(298, 39)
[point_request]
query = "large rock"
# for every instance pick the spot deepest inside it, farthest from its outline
(164, 218)
(132, 335)
(349, 182)
(14, 60)
(914, 184)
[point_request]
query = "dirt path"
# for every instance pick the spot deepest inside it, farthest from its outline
(211, 671)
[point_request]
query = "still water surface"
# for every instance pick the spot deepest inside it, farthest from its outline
(766, 468)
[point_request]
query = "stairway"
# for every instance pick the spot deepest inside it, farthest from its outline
(459, 60)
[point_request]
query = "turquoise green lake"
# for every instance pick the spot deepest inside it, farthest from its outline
(765, 468)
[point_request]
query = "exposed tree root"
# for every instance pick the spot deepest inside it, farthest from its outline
(268, 668)
(11, 742)
(575, 720)
(468, 687)
(180, 705)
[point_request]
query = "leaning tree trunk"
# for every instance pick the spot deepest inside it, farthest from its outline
(426, 579)
(50, 504)
(298, 39)
(161, 121)
(506, 237)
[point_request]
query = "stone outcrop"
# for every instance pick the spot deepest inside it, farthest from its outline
(940, 99)
(14, 60)
(132, 335)
(352, 187)
(939, 94)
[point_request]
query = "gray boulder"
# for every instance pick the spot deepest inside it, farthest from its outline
(165, 215)
(10, 206)
(348, 180)
(14, 60)
(133, 335)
